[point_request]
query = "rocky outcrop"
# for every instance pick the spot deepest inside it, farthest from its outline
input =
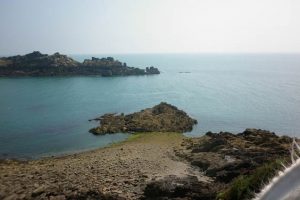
(179, 188)
(161, 118)
(152, 70)
(38, 64)
(239, 164)
(225, 156)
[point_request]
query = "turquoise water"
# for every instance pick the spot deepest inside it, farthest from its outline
(49, 116)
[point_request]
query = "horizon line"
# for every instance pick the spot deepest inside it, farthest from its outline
(156, 53)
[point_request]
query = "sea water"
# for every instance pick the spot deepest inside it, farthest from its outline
(42, 116)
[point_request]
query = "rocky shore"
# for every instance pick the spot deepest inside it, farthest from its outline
(160, 118)
(38, 64)
(153, 166)
(238, 165)
(120, 171)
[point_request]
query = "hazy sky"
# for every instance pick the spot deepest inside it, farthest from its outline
(149, 26)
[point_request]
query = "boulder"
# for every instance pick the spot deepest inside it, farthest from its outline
(180, 188)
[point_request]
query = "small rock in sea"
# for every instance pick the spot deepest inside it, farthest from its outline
(160, 118)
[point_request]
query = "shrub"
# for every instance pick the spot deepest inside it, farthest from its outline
(244, 187)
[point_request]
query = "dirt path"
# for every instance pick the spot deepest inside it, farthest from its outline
(122, 169)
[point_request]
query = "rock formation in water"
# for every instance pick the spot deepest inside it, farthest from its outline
(161, 118)
(38, 64)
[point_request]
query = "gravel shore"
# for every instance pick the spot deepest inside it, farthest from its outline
(121, 170)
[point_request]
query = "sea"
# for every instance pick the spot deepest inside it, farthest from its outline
(49, 116)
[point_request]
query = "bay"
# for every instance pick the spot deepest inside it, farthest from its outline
(42, 116)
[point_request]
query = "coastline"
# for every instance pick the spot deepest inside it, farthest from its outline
(121, 169)
(153, 166)
(38, 64)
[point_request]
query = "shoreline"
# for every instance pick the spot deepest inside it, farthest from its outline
(152, 166)
(59, 64)
(59, 155)
(121, 169)
(131, 138)
(56, 155)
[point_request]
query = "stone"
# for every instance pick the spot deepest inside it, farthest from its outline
(58, 197)
(41, 189)
(11, 197)
(180, 188)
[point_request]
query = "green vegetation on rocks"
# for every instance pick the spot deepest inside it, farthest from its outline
(245, 187)
(239, 164)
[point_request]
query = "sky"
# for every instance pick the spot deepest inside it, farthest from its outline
(149, 26)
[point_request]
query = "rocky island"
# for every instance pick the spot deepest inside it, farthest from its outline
(38, 64)
(160, 118)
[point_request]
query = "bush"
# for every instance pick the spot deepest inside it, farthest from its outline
(244, 187)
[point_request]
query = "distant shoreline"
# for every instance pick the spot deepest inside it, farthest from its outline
(38, 64)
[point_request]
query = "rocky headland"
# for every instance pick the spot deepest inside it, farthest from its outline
(238, 165)
(38, 64)
(160, 118)
(153, 166)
